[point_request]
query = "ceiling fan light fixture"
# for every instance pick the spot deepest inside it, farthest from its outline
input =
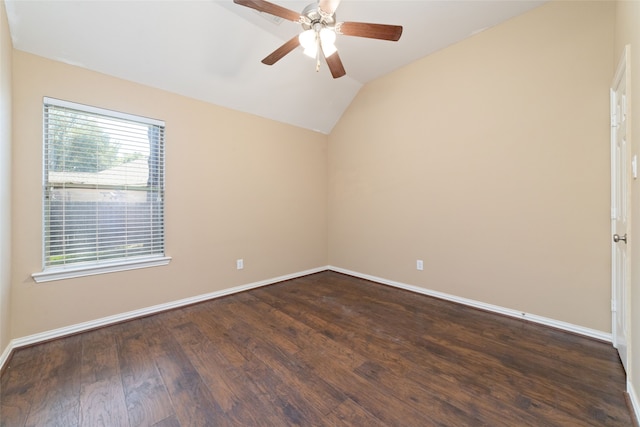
(308, 39)
(327, 36)
(311, 52)
(328, 40)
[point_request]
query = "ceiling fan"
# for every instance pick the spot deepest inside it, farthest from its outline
(318, 21)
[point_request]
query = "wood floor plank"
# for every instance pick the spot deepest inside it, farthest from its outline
(17, 383)
(313, 346)
(56, 400)
(265, 346)
(102, 401)
(101, 404)
(190, 396)
(349, 413)
(409, 391)
(229, 374)
(325, 305)
(240, 399)
(347, 376)
(325, 350)
(145, 394)
(171, 421)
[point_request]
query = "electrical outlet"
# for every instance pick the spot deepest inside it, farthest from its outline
(419, 265)
(239, 264)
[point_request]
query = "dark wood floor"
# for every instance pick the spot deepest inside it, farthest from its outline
(325, 349)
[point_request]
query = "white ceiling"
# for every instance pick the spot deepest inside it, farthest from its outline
(211, 49)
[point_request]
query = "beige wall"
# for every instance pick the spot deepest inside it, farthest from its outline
(237, 186)
(628, 32)
(489, 160)
(5, 178)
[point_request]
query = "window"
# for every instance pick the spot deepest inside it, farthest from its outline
(103, 191)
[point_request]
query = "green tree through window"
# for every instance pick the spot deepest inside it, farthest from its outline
(79, 144)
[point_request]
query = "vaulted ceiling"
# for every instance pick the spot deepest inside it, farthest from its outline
(211, 49)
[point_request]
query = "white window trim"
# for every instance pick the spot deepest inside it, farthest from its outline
(61, 273)
(74, 271)
(103, 111)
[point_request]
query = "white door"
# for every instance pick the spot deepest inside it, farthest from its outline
(620, 177)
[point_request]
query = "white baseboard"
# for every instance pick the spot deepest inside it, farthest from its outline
(592, 333)
(5, 355)
(105, 321)
(633, 396)
(110, 320)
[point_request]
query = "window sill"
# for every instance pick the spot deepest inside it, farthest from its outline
(61, 273)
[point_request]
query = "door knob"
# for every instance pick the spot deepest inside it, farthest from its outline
(617, 238)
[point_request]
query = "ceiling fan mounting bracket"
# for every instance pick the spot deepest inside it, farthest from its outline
(312, 15)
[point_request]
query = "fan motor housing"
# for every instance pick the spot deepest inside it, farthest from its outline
(315, 16)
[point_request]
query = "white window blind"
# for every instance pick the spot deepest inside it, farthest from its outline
(103, 186)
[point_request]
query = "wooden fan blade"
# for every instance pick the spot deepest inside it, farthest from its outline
(335, 65)
(280, 52)
(329, 6)
(273, 9)
(372, 31)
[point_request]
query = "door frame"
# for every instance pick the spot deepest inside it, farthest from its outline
(620, 308)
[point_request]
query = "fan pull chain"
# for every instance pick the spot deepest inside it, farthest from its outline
(318, 51)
